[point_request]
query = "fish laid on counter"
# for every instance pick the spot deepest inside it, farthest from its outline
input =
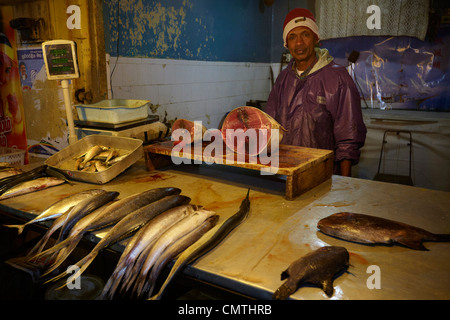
(58, 208)
(31, 186)
(82, 208)
(10, 182)
(9, 172)
(168, 238)
(368, 229)
(189, 256)
(65, 221)
(318, 267)
(97, 159)
(103, 217)
(179, 246)
(126, 227)
(129, 265)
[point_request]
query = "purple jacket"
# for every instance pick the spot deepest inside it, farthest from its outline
(320, 110)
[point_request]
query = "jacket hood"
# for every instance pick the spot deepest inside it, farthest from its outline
(324, 58)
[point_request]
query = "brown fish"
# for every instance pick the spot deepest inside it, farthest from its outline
(370, 230)
(318, 267)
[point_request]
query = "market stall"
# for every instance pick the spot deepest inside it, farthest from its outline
(279, 231)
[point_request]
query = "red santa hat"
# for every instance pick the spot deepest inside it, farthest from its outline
(299, 17)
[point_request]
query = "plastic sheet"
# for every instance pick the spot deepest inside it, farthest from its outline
(398, 72)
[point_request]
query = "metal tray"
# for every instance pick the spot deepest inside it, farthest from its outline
(61, 160)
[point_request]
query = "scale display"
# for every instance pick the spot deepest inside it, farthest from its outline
(60, 59)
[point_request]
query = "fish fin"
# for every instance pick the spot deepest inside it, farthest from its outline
(413, 244)
(283, 292)
(19, 227)
(285, 274)
(327, 286)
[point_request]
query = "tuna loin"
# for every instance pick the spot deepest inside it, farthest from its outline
(254, 125)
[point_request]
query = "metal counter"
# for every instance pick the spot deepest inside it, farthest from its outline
(277, 232)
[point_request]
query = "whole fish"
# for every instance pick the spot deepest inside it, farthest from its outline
(217, 237)
(144, 238)
(85, 208)
(31, 186)
(179, 246)
(9, 172)
(58, 208)
(93, 151)
(79, 208)
(371, 230)
(169, 237)
(9, 182)
(102, 218)
(318, 267)
(126, 227)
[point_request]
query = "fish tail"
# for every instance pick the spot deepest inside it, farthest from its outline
(82, 264)
(441, 237)
(113, 282)
(62, 256)
(49, 251)
(19, 227)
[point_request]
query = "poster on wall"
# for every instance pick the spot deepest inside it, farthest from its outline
(12, 118)
(31, 62)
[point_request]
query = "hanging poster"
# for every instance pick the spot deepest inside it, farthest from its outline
(31, 62)
(12, 118)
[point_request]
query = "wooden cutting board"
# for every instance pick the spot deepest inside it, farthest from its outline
(304, 168)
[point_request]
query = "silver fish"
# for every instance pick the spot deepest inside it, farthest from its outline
(169, 237)
(104, 217)
(58, 208)
(126, 227)
(179, 246)
(31, 186)
(190, 255)
(93, 151)
(59, 222)
(146, 236)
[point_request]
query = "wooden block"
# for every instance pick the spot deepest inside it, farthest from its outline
(304, 168)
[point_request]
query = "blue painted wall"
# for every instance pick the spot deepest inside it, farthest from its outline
(207, 30)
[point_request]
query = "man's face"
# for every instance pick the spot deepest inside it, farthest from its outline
(301, 42)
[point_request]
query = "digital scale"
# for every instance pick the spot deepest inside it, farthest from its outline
(60, 58)
(61, 63)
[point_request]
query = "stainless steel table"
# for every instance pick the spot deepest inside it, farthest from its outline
(277, 231)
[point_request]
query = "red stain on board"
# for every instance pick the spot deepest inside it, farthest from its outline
(154, 177)
(358, 258)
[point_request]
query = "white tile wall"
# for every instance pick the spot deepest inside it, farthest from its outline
(195, 90)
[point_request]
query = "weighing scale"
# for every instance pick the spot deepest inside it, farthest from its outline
(61, 63)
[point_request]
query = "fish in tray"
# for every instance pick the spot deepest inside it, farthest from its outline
(368, 229)
(318, 267)
(98, 158)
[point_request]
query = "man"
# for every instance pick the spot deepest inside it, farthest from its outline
(314, 99)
